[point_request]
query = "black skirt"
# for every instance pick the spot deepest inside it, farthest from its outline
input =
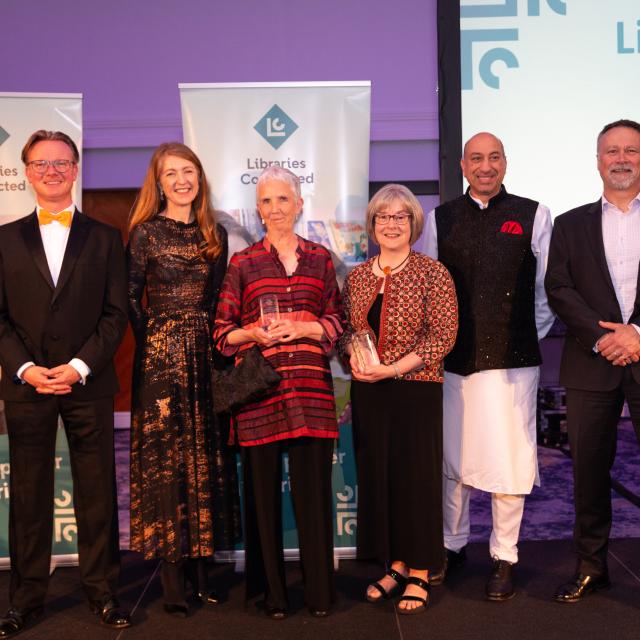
(397, 427)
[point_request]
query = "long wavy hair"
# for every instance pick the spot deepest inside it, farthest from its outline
(150, 201)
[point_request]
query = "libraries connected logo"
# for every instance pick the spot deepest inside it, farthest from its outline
(275, 126)
(3, 136)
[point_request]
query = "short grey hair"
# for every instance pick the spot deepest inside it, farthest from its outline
(280, 173)
(386, 196)
(628, 124)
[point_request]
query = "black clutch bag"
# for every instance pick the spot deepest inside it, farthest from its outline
(247, 382)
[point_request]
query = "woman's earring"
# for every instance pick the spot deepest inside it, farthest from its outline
(262, 220)
(161, 192)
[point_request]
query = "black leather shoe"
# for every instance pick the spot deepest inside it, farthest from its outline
(318, 613)
(111, 615)
(14, 621)
(500, 583)
(579, 586)
(176, 610)
(208, 597)
(452, 560)
(275, 613)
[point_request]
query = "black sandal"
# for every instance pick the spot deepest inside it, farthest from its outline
(424, 602)
(401, 581)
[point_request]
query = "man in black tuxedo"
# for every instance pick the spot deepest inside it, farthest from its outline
(63, 312)
(592, 284)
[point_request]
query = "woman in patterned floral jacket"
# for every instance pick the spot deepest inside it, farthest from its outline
(407, 303)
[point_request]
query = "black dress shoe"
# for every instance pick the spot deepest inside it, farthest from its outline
(111, 615)
(208, 597)
(500, 583)
(579, 586)
(275, 613)
(176, 610)
(318, 613)
(14, 621)
(452, 560)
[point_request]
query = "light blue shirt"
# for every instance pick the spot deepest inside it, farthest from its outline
(621, 237)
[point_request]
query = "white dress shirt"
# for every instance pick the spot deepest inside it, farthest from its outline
(54, 240)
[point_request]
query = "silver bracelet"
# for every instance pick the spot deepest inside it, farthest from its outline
(398, 375)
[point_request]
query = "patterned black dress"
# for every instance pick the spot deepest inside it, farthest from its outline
(183, 476)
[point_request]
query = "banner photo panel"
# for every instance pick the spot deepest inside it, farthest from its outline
(20, 115)
(545, 76)
(319, 131)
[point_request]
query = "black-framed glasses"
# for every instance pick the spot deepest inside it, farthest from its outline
(399, 218)
(41, 166)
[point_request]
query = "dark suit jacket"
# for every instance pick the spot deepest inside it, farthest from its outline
(581, 293)
(84, 316)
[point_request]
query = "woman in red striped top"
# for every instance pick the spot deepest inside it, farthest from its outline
(299, 416)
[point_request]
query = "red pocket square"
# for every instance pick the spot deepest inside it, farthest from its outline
(511, 226)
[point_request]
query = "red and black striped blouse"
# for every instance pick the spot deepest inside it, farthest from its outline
(303, 403)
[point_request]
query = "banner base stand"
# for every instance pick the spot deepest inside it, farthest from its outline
(63, 560)
(237, 556)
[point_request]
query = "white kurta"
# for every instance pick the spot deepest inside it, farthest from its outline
(489, 417)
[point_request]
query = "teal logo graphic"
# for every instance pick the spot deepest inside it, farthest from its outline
(504, 9)
(275, 126)
(622, 48)
(509, 8)
(3, 136)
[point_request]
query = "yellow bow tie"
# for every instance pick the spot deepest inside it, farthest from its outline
(64, 217)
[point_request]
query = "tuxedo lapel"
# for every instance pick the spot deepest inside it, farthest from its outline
(33, 240)
(594, 232)
(77, 236)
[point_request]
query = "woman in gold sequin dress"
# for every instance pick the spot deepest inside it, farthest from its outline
(183, 478)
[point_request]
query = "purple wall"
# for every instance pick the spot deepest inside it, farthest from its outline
(127, 58)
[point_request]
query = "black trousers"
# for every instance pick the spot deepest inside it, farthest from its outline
(592, 421)
(174, 575)
(32, 428)
(310, 461)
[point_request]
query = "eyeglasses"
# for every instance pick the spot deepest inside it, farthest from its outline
(399, 218)
(61, 166)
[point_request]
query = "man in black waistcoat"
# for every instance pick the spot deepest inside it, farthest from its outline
(63, 312)
(495, 246)
(592, 282)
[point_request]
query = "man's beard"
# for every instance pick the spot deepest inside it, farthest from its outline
(622, 181)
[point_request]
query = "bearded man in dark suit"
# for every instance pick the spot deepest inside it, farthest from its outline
(63, 312)
(592, 284)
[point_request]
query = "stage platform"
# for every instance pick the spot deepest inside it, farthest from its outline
(458, 610)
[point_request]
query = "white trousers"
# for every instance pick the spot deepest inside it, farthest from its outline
(506, 512)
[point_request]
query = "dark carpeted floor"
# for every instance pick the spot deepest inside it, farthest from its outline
(548, 513)
(458, 609)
